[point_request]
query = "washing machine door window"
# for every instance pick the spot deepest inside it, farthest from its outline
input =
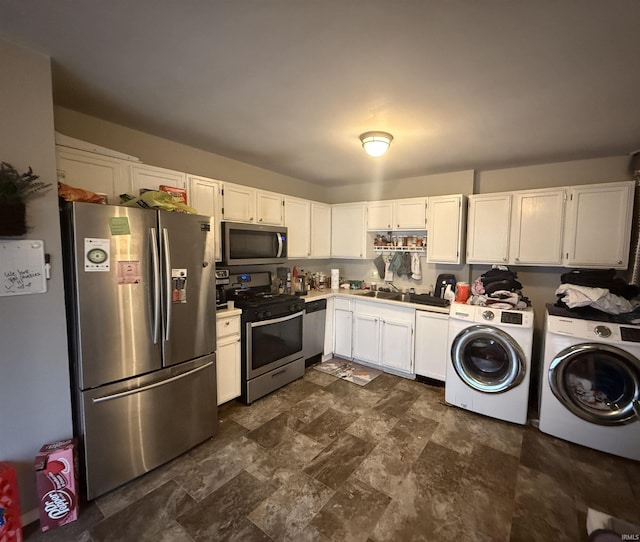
(487, 359)
(597, 382)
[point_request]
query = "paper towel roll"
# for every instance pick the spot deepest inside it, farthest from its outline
(335, 279)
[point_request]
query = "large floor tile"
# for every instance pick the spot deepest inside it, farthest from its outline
(222, 515)
(338, 461)
(287, 512)
(351, 513)
(147, 518)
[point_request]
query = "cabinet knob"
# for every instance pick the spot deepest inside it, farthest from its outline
(398, 226)
(227, 323)
(619, 262)
(504, 259)
(260, 220)
(517, 259)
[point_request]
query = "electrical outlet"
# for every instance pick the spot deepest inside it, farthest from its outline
(373, 274)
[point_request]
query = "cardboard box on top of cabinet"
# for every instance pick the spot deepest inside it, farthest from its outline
(10, 526)
(56, 480)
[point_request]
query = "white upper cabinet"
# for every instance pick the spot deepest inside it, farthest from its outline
(205, 197)
(320, 230)
(245, 204)
(445, 220)
(269, 207)
(238, 203)
(488, 227)
(93, 172)
(598, 225)
(152, 177)
(400, 214)
(348, 230)
(410, 214)
(297, 219)
(380, 215)
(537, 227)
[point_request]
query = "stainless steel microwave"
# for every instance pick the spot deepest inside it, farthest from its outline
(250, 244)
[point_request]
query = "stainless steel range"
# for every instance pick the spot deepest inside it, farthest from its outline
(272, 353)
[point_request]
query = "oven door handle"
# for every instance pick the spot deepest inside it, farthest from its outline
(276, 320)
(279, 236)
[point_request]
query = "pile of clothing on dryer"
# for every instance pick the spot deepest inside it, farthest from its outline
(599, 289)
(498, 287)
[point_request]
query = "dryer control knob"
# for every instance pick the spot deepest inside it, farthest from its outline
(488, 315)
(602, 331)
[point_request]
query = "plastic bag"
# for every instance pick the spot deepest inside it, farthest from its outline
(70, 193)
(155, 199)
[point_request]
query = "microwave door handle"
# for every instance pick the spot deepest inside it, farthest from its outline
(167, 273)
(155, 262)
(280, 245)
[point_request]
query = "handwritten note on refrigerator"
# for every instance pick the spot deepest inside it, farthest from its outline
(22, 267)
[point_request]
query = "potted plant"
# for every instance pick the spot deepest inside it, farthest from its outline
(15, 189)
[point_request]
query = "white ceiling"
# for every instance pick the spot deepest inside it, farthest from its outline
(288, 85)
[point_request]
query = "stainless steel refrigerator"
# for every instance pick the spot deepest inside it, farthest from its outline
(140, 290)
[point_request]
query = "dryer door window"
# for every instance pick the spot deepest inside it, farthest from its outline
(487, 359)
(597, 382)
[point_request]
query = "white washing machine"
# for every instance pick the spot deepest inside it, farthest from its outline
(489, 366)
(590, 378)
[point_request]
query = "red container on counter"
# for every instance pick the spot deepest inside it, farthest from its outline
(462, 292)
(10, 526)
(56, 480)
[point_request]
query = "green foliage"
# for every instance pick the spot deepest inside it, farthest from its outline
(18, 187)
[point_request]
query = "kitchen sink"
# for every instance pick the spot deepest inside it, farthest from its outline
(391, 296)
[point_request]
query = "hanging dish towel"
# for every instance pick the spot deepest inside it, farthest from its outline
(388, 274)
(416, 272)
(396, 262)
(379, 263)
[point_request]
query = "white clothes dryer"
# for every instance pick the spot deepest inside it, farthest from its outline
(489, 366)
(590, 378)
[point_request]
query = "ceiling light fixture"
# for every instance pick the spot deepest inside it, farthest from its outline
(376, 143)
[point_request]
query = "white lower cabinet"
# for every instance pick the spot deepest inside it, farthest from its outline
(342, 317)
(431, 344)
(383, 336)
(396, 345)
(366, 337)
(228, 356)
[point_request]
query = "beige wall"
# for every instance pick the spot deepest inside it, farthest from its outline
(35, 405)
(161, 152)
(596, 170)
(456, 182)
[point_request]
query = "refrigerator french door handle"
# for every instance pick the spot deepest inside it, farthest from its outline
(155, 260)
(167, 273)
(279, 236)
(150, 386)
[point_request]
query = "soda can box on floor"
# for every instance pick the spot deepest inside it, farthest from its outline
(56, 481)
(10, 527)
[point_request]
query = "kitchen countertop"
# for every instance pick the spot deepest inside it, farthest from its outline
(226, 313)
(312, 295)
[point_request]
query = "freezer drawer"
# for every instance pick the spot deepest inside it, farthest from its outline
(131, 427)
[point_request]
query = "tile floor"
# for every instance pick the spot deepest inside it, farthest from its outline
(325, 459)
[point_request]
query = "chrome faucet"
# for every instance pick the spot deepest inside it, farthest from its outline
(393, 286)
